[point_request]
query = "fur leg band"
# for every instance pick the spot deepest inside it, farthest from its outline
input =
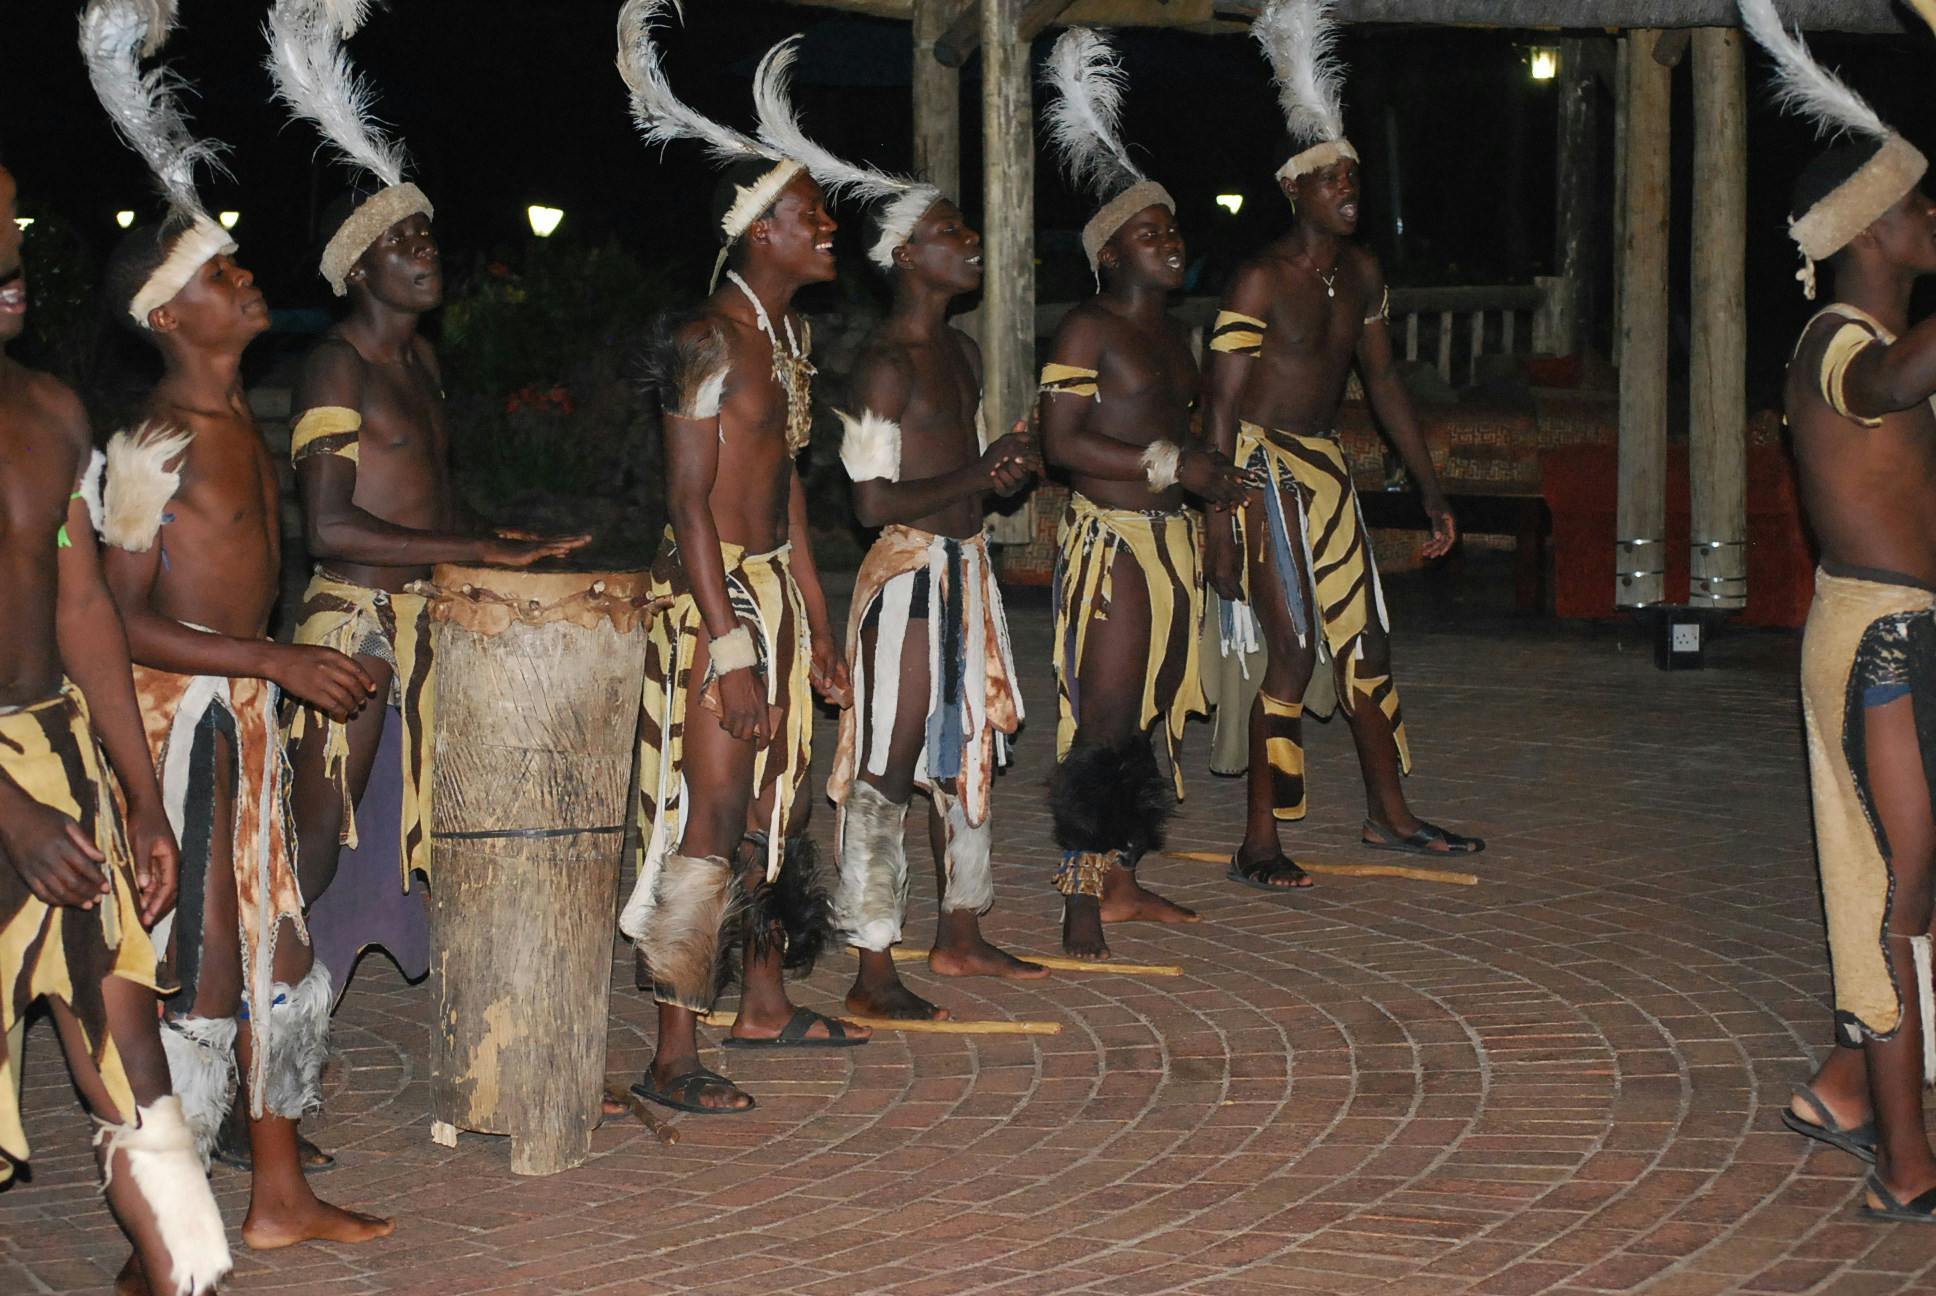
(792, 915)
(1284, 752)
(295, 1047)
(201, 1070)
(1081, 872)
(681, 936)
(873, 895)
(971, 876)
(169, 1177)
(1919, 947)
(1110, 798)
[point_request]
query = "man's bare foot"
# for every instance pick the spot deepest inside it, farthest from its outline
(894, 1001)
(1082, 928)
(979, 958)
(268, 1228)
(1124, 899)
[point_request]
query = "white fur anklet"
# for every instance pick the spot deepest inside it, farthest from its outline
(1160, 464)
(201, 1070)
(971, 877)
(1919, 947)
(295, 1046)
(871, 901)
(171, 1181)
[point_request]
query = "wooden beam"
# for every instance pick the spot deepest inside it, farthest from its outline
(1872, 16)
(937, 98)
(902, 9)
(1640, 515)
(1008, 215)
(1717, 379)
(1031, 19)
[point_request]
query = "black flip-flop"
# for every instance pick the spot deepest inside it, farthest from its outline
(1859, 1142)
(1882, 1205)
(1428, 839)
(681, 1093)
(793, 1035)
(1257, 874)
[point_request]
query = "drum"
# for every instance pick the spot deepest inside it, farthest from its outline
(538, 682)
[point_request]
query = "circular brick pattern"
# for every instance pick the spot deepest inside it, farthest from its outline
(1567, 1078)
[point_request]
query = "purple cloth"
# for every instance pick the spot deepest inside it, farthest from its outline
(366, 906)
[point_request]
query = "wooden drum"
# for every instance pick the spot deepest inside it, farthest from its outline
(538, 679)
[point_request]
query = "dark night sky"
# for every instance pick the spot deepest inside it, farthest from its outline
(505, 102)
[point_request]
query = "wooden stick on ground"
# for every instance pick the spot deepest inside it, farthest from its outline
(1447, 876)
(927, 1027)
(904, 955)
(621, 1096)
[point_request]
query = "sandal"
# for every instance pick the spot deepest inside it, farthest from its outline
(681, 1093)
(1258, 874)
(1428, 839)
(1859, 1142)
(1882, 1205)
(793, 1035)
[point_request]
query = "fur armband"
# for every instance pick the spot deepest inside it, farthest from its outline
(140, 483)
(1069, 380)
(1848, 341)
(687, 368)
(1237, 334)
(870, 446)
(1160, 463)
(90, 490)
(733, 651)
(325, 430)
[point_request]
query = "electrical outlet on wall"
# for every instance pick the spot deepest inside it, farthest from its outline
(1687, 637)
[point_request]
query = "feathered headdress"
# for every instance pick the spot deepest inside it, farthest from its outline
(1299, 37)
(908, 200)
(1804, 87)
(663, 117)
(317, 81)
(1086, 82)
(115, 36)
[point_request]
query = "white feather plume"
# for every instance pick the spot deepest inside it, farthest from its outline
(1801, 84)
(1084, 113)
(1299, 37)
(661, 115)
(161, 21)
(144, 106)
(780, 131)
(315, 78)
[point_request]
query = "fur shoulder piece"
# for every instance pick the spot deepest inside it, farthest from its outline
(90, 491)
(140, 482)
(870, 446)
(686, 368)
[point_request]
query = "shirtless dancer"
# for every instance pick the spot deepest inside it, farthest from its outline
(63, 845)
(1299, 553)
(921, 474)
(372, 459)
(746, 640)
(1116, 401)
(1861, 402)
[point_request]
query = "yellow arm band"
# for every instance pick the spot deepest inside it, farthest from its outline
(1849, 341)
(1237, 334)
(1068, 380)
(325, 430)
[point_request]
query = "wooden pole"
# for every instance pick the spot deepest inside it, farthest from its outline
(1718, 414)
(1621, 52)
(937, 101)
(1027, 20)
(1008, 216)
(1640, 558)
(1574, 199)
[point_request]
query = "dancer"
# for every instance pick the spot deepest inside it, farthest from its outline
(935, 697)
(78, 884)
(372, 458)
(191, 517)
(1859, 401)
(1116, 400)
(1298, 554)
(734, 661)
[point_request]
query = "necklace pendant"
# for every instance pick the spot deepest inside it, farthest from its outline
(1329, 291)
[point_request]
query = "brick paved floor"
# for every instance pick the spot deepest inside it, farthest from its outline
(1565, 1079)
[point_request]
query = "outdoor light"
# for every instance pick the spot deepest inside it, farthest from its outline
(124, 218)
(1232, 203)
(228, 218)
(544, 220)
(23, 221)
(1544, 61)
